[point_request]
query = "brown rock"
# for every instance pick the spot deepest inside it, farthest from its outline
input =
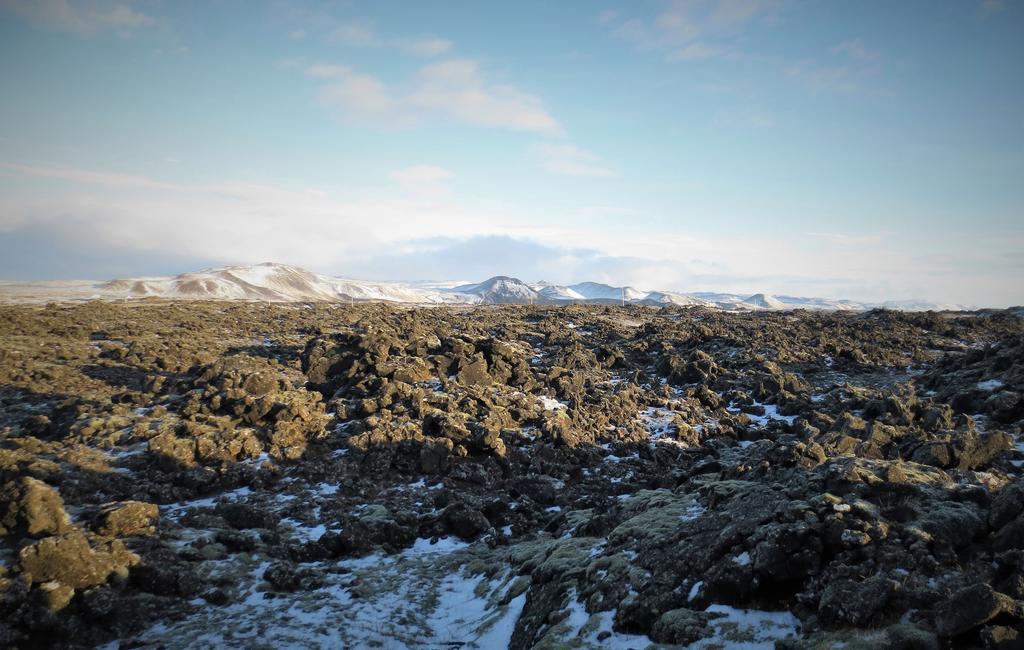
(69, 560)
(128, 518)
(174, 451)
(54, 596)
(33, 507)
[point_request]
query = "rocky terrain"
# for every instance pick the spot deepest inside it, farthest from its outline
(179, 474)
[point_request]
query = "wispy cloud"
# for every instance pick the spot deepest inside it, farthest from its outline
(989, 7)
(690, 30)
(841, 79)
(847, 239)
(427, 46)
(853, 69)
(855, 49)
(85, 176)
(81, 16)
(455, 89)
(364, 35)
(747, 118)
(357, 96)
(354, 35)
(701, 52)
(571, 160)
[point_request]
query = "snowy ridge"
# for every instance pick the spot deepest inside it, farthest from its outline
(282, 283)
(764, 301)
(598, 291)
(274, 283)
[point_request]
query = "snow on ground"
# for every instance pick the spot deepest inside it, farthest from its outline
(660, 425)
(694, 511)
(990, 385)
(420, 598)
(771, 413)
(582, 629)
(551, 404)
(694, 590)
(748, 629)
(176, 510)
(304, 532)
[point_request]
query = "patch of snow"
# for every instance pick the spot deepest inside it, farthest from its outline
(694, 591)
(771, 413)
(303, 532)
(604, 636)
(694, 511)
(990, 385)
(327, 489)
(748, 629)
(551, 404)
(175, 510)
(424, 546)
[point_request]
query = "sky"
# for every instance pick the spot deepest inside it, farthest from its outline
(863, 150)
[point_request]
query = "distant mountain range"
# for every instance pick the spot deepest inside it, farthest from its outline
(281, 283)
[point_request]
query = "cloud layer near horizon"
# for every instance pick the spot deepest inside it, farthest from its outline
(397, 238)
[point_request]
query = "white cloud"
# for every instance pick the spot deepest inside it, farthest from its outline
(424, 181)
(233, 221)
(847, 239)
(455, 89)
(250, 222)
(80, 16)
(358, 96)
(571, 160)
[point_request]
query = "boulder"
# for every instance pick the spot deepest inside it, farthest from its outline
(680, 627)
(127, 518)
(857, 604)
(70, 560)
(464, 521)
(29, 506)
(970, 608)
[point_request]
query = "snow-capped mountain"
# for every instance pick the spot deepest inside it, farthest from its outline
(274, 283)
(556, 292)
(764, 301)
(825, 304)
(282, 283)
(500, 290)
(918, 305)
(672, 298)
(598, 291)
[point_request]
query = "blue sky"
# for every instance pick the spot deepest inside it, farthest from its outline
(868, 150)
